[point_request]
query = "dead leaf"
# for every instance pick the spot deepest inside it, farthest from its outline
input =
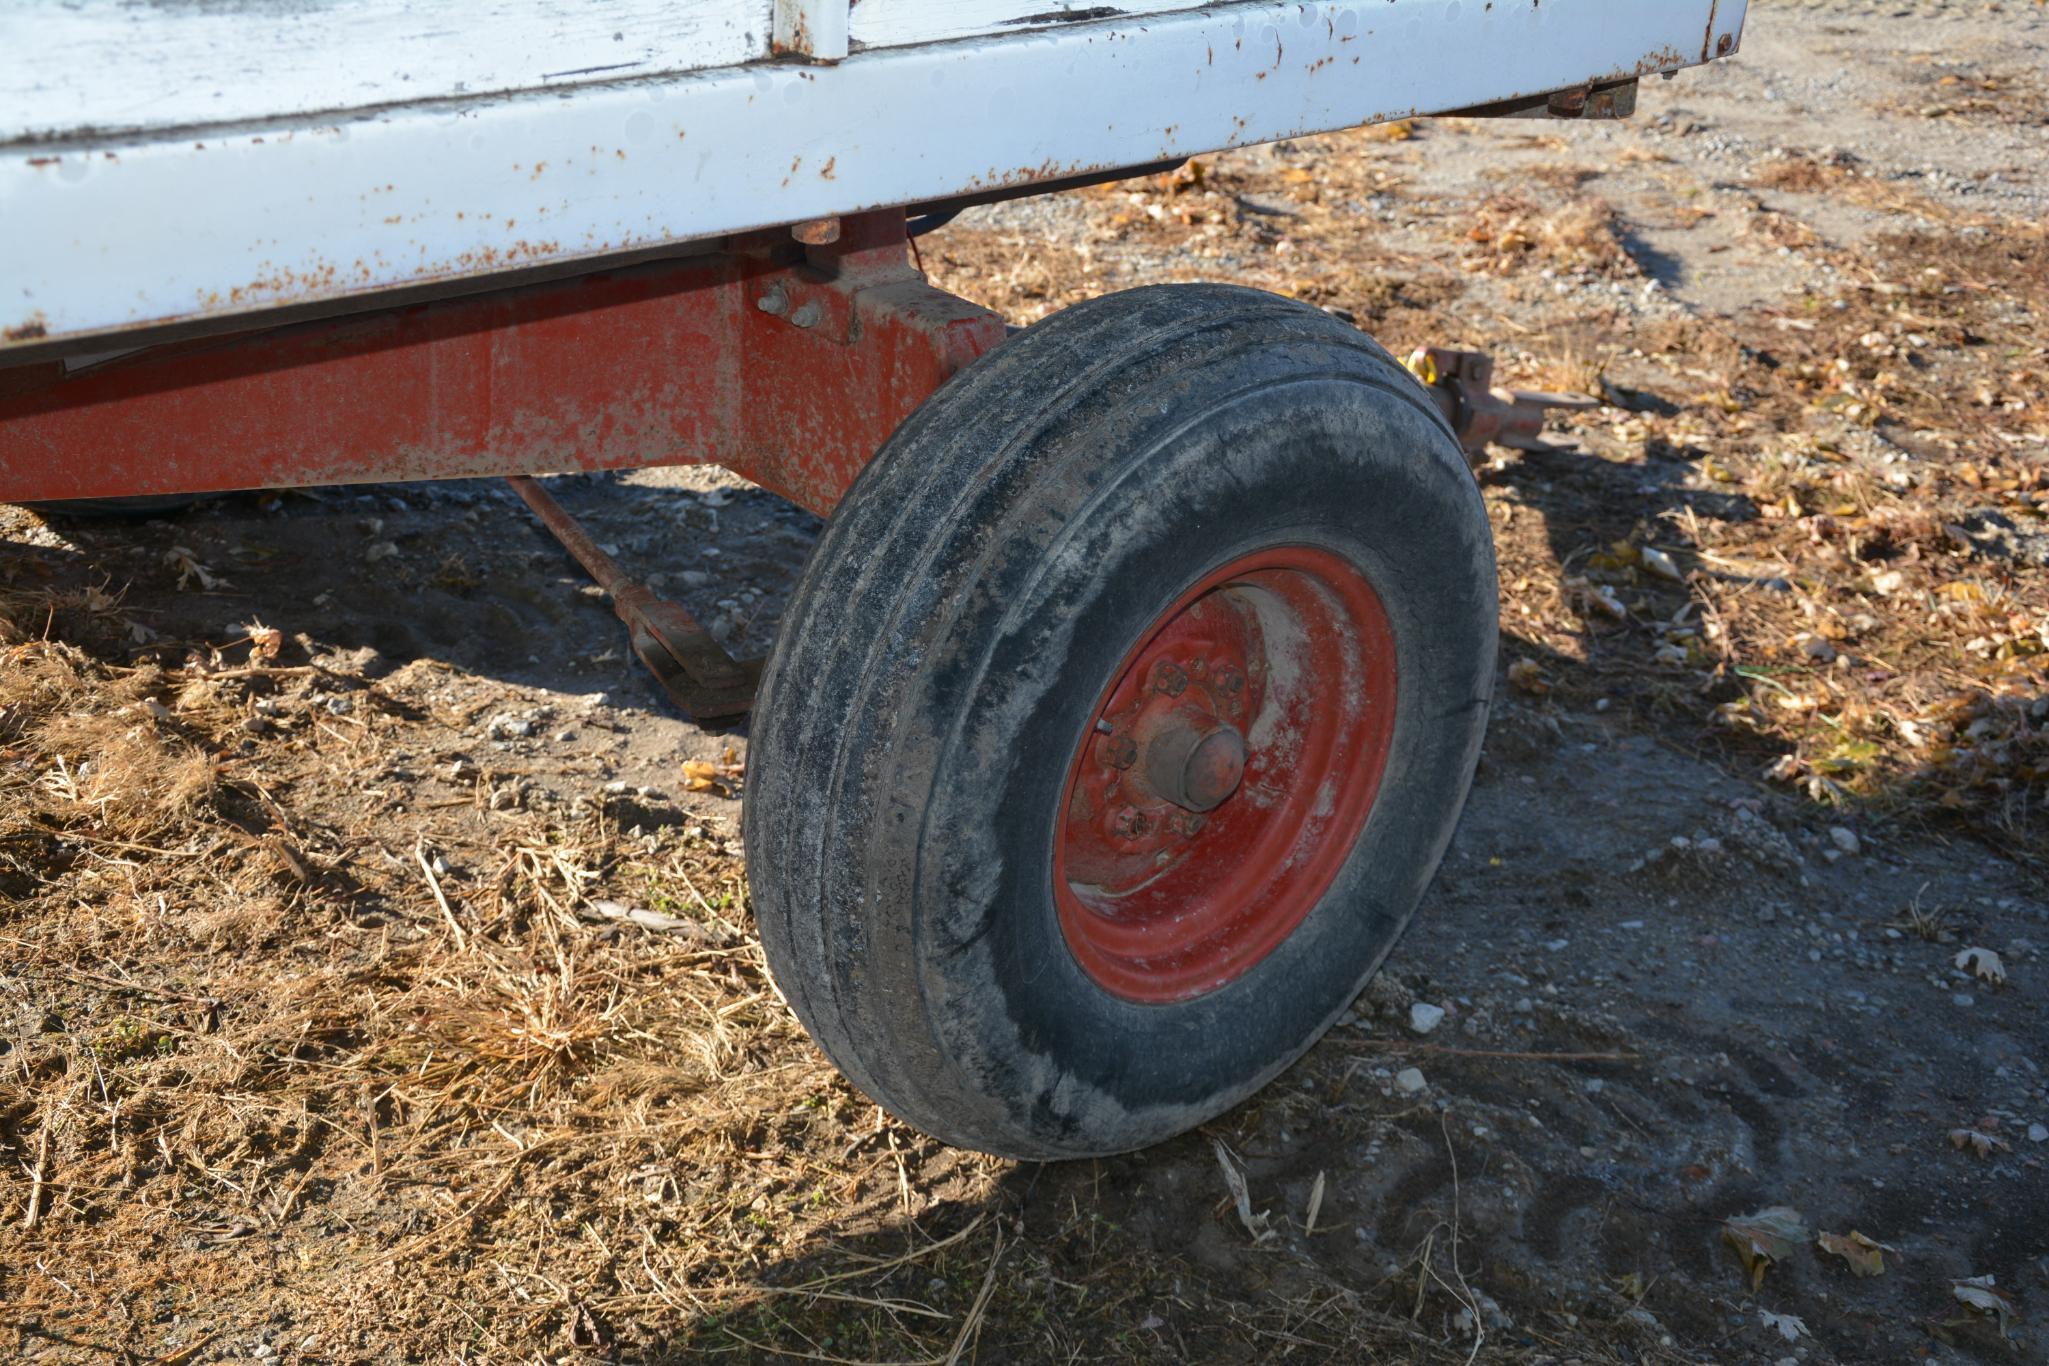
(1976, 1140)
(1980, 1297)
(228, 1230)
(1255, 1224)
(700, 775)
(1866, 1258)
(1527, 676)
(1816, 648)
(190, 570)
(1983, 964)
(1768, 1236)
(1315, 1205)
(1790, 1326)
(1660, 564)
(655, 920)
(1588, 598)
(291, 859)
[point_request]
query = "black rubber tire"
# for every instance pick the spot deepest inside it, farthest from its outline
(940, 661)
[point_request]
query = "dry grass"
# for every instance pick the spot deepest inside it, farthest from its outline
(1845, 180)
(375, 1072)
(1944, 89)
(1873, 598)
(1511, 234)
(1817, 535)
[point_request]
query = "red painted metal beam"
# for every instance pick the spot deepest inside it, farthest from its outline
(789, 365)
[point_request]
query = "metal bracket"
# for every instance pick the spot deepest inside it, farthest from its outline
(692, 667)
(1462, 383)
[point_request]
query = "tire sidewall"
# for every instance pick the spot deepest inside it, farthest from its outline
(1311, 446)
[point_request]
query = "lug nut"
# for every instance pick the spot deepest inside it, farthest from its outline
(1129, 822)
(1169, 679)
(1120, 750)
(1189, 823)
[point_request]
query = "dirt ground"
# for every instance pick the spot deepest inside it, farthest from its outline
(379, 983)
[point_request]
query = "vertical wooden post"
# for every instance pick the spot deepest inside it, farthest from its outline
(816, 29)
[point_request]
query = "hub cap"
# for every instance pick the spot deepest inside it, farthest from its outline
(1228, 771)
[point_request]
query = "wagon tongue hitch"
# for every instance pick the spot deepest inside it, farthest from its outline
(692, 667)
(1462, 383)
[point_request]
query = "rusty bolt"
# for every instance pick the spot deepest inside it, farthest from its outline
(1569, 104)
(1726, 45)
(807, 315)
(1169, 679)
(775, 303)
(1189, 823)
(1130, 823)
(1120, 750)
(1229, 681)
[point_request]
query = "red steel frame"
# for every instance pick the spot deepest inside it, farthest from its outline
(788, 363)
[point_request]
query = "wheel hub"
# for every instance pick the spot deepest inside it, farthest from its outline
(1194, 760)
(1166, 752)
(1231, 766)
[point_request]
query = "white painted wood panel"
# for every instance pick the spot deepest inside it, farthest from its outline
(129, 65)
(128, 233)
(899, 23)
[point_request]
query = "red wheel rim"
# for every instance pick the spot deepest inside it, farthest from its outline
(1229, 768)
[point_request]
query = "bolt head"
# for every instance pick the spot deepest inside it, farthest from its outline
(1169, 679)
(1119, 750)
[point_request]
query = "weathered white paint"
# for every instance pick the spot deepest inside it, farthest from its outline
(900, 23)
(812, 28)
(129, 233)
(125, 65)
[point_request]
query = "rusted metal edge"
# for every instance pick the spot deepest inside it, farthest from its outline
(1604, 100)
